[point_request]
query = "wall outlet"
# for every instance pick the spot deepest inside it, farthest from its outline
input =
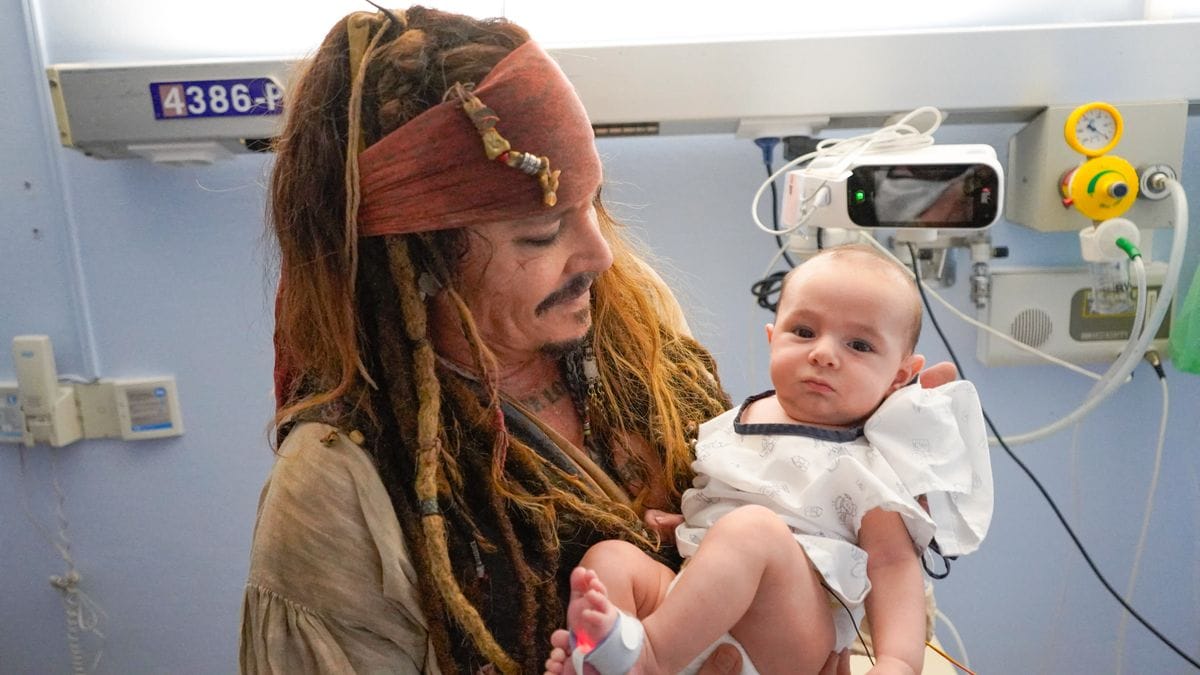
(98, 409)
(133, 409)
(147, 408)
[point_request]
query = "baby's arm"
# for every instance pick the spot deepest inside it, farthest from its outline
(896, 603)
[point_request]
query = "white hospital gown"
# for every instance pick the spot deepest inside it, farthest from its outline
(928, 442)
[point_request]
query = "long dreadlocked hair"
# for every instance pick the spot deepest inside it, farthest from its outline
(353, 322)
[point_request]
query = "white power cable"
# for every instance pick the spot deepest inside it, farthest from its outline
(1003, 336)
(902, 135)
(958, 641)
(1140, 548)
(983, 326)
(82, 613)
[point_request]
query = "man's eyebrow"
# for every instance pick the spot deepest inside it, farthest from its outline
(558, 213)
(538, 220)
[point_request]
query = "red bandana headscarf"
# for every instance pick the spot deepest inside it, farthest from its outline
(432, 173)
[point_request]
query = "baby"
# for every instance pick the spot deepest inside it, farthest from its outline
(843, 459)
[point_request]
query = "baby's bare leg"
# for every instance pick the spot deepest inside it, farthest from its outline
(636, 582)
(751, 578)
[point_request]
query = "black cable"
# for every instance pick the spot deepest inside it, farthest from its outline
(1053, 506)
(772, 284)
(769, 286)
(767, 145)
(861, 640)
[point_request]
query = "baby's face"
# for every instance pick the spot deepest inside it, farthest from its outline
(840, 342)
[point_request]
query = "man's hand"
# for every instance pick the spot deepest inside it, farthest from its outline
(662, 523)
(725, 660)
(938, 374)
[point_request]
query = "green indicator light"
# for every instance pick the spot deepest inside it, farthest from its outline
(859, 196)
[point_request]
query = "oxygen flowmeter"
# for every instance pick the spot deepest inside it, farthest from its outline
(1104, 186)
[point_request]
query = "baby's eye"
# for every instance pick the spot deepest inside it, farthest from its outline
(804, 332)
(861, 346)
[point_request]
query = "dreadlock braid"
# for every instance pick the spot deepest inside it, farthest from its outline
(386, 340)
(429, 440)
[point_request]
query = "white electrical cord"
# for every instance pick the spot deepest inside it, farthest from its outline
(1141, 542)
(958, 641)
(902, 135)
(1003, 336)
(1120, 370)
(83, 614)
(983, 326)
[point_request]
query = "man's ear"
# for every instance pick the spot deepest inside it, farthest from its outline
(909, 367)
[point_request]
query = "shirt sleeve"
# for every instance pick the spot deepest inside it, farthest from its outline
(331, 587)
(936, 442)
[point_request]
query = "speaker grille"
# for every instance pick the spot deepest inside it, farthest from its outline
(1032, 326)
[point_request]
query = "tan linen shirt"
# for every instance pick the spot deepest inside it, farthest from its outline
(331, 587)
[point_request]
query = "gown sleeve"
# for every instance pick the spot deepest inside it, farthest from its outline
(936, 442)
(331, 587)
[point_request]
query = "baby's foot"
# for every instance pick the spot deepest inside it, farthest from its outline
(590, 617)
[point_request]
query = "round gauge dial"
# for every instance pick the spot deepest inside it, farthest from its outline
(1094, 129)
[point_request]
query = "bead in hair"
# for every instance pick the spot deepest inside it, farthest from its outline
(497, 148)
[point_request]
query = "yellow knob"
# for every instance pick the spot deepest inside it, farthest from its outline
(1112, 184)
(1103, 187)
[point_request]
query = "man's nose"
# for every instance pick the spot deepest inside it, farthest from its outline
(591, 253)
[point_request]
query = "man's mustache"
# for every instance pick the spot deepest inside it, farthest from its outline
(577, 286)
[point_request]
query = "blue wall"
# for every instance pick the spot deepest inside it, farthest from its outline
(164, 271)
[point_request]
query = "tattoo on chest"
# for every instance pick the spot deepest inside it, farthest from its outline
(545, 398)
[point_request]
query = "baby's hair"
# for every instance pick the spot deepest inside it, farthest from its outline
(880, 261)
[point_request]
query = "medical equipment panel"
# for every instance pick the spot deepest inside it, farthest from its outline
(1049, 308)
(1149, 140)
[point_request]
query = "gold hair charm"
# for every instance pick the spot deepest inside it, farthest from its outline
(497, 148)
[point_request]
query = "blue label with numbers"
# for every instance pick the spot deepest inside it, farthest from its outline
(216, 98)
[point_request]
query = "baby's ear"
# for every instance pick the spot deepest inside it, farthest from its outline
(770, 332)
(909, 367)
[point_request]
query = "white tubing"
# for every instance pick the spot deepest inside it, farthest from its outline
(1140, 548)
(1121, 370)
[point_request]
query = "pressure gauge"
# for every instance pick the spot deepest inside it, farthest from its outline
(1094, 129)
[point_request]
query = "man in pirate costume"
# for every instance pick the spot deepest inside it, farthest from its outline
(477, 375)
